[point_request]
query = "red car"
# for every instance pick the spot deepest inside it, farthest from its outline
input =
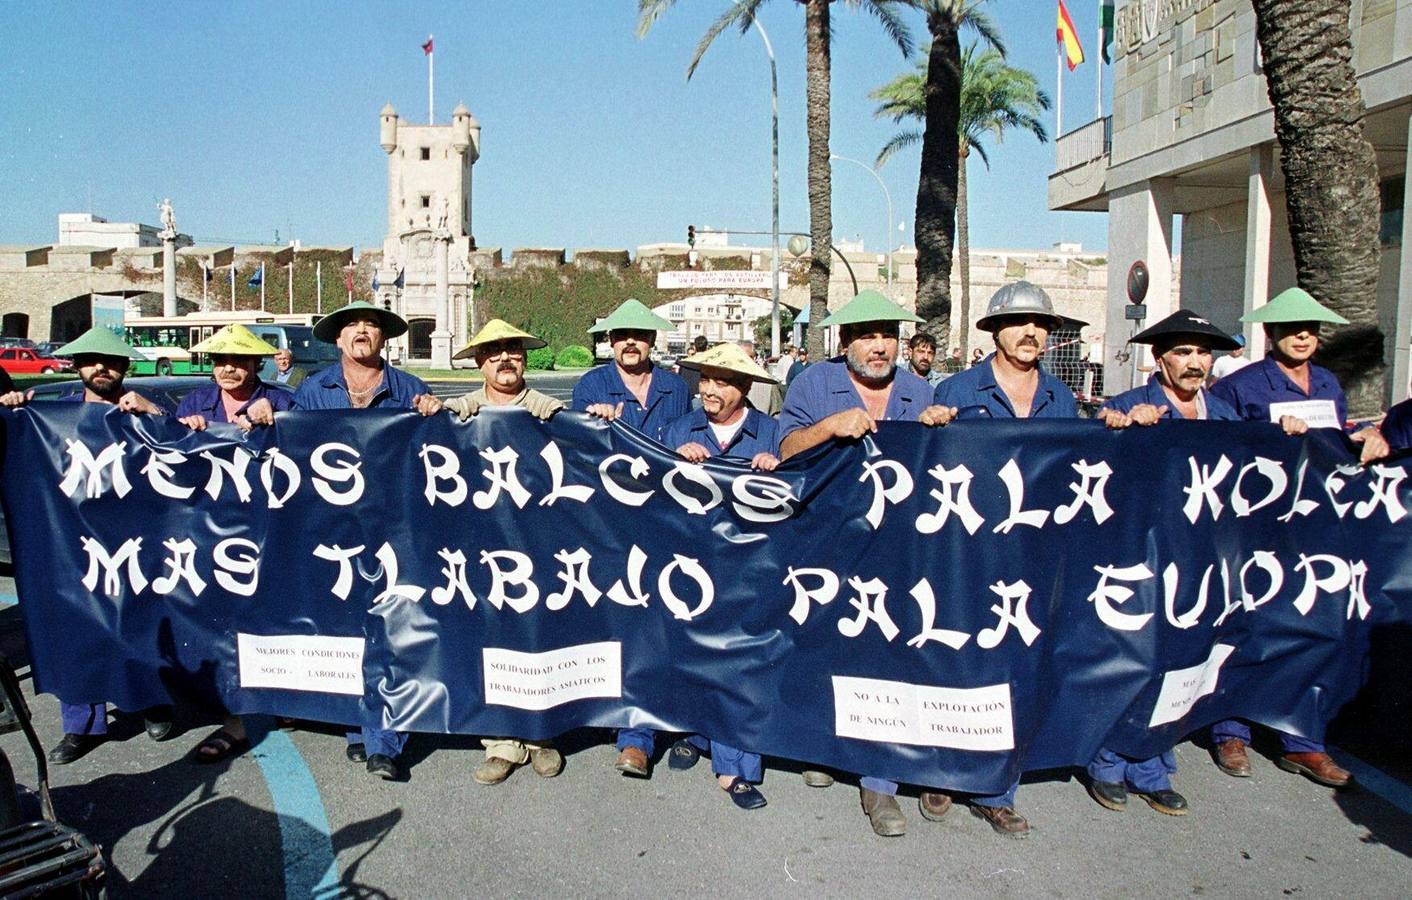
(23, 361)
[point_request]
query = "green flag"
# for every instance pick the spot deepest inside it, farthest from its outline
(1105, 29)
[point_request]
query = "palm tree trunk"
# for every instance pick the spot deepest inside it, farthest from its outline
(816, 31)
(936, 187)
(1331, 179)
(963, 250)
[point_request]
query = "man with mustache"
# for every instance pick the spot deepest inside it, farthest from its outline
(500, 350)
(923, 349)
(726, 424)
(631, 388)
(101, 360)
(843, 399)
(1008, 384)
(1288, 388)
(1182, 345)
(362, 380)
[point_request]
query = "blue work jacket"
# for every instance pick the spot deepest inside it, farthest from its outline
(826, 388)
(1217, 410)
(758, 434)
(667, 397)
(206, 401)
(1252, 389)
(975, 393)
(328, 389)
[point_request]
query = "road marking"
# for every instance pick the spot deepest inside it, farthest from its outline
(1376, 780)
(310, 869)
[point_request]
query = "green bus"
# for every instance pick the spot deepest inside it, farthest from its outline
(162, 341)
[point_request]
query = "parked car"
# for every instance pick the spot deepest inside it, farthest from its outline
(47, 348)
(166, 392)
(24, 361)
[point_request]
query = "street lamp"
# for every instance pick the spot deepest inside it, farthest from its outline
(888, 196)
(775, 185)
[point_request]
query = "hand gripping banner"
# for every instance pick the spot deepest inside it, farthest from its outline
(945, 607)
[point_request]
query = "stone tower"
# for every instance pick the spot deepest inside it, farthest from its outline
(428, 242)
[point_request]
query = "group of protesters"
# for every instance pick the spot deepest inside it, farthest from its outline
(728, 413)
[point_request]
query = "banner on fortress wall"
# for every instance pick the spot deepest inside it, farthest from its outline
(944, 607)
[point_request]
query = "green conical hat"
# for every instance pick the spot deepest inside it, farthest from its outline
(236, 340)
(1294, 305)
(499, 330)
(98, 341)
(869, 306)
(327, 328)
(631, 314)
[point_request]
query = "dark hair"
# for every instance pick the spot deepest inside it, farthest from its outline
(700, 343)
(921, 339)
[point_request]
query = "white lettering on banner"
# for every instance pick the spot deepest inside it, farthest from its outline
(1202, 489)
(555, 461)
(230, 563)
(235, 468)
(1014, 483)
(1274, 573)
(301, 662)
(1301, 506)
(871, 604)
(692, 569)
(343, 583)
(897, 712)
(822, 593)
(900, 489)
(1273, 473)
(455, 572)
(182, 566)
(159, 472)
(440, 464)
(926, 604)
(631, 594)
(274, 459)
(387, 557)
(516, 575)
(1339, 577)
(574, 574)
(112, 566)
(1315, 413)
(762, 498)
(86, 469)
(1088, 492)
(1181, 688)
(1013, 610)
(693, 473)
(1106, 595)
(502, 477)
(337, 472)
(539, 681)
(637, 467)
(956, 484)
(1384, 495)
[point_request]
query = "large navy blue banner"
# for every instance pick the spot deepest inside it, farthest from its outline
(944, 606)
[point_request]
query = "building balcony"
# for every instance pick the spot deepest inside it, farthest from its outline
(1079, 181)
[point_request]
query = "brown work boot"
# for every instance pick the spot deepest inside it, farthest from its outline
(1231, 758)
(632, 761)
(883, 812)
(1003, 819)
(1318, 767)
(493, 771)
(933, 805)
(546, 762)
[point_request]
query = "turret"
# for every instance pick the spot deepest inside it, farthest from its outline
(388, 133)
(461, 128)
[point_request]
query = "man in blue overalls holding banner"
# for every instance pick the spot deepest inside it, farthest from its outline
(630, 387)
(844, 399)
(1287, 388)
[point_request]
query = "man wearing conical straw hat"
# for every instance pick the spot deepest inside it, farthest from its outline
(101, 359)
(361, 379)
(1286, 387)
(724, 425)
(630, 387)
(237, 397)
(499, 350)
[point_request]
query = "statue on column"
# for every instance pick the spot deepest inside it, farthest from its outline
(168, 219)
(443, 218)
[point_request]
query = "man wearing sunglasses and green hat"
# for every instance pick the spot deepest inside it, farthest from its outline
(361, 379)
(1287, 388)
(101, 359)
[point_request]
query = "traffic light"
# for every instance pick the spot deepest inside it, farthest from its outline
(691, 235)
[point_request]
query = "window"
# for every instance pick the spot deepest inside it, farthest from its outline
(426, 201)
(426, 154)
(7, 354)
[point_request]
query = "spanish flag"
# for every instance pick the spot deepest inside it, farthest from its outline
(1065, 34)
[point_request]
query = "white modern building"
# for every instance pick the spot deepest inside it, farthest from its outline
(1189, 155)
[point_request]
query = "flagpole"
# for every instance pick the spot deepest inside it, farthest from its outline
(1098, 72)
(431, 81)
(232, 287)
(1059, 93)
(262, 287)
(291, 284)
(319, 286)
(205, 287)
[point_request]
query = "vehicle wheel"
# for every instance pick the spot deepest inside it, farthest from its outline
(46, 371)
(164, 367)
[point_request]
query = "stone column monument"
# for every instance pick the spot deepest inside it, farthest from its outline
(441, 336)
(169, 236)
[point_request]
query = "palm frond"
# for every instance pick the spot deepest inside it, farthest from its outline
(885, 12)
(742, 8)
(648, 12)
(900, 141)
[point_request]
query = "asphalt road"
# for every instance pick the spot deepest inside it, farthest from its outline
(268, 823)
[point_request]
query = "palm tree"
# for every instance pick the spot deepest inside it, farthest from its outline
(936, 190)
(995, 97)
(1331, 179)
(817, 32)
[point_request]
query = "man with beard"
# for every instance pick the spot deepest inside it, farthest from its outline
(500, 350)
(843, 399)
(1182, 345)
(362, 380)
(1287, 388)
(631, 388)
(1009, 384)
(101, 360)
(724, 425)
(923, 348)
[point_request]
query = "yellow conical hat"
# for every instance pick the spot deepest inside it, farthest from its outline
(731, 358)
(236, 340)
(499, 330)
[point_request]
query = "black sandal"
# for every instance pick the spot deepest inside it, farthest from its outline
(218, 746)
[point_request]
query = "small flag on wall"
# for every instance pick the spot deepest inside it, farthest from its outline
(1065, 34)
(426, 48)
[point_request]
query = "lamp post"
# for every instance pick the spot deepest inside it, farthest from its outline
(775, 185)
(886, 195)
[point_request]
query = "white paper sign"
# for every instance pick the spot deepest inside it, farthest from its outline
(1318, 413)
(555, 677)
(1181, 688)
(301, 662)
(928, 716)
(741, 280)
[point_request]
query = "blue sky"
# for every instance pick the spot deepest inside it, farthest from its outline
(257, 117)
